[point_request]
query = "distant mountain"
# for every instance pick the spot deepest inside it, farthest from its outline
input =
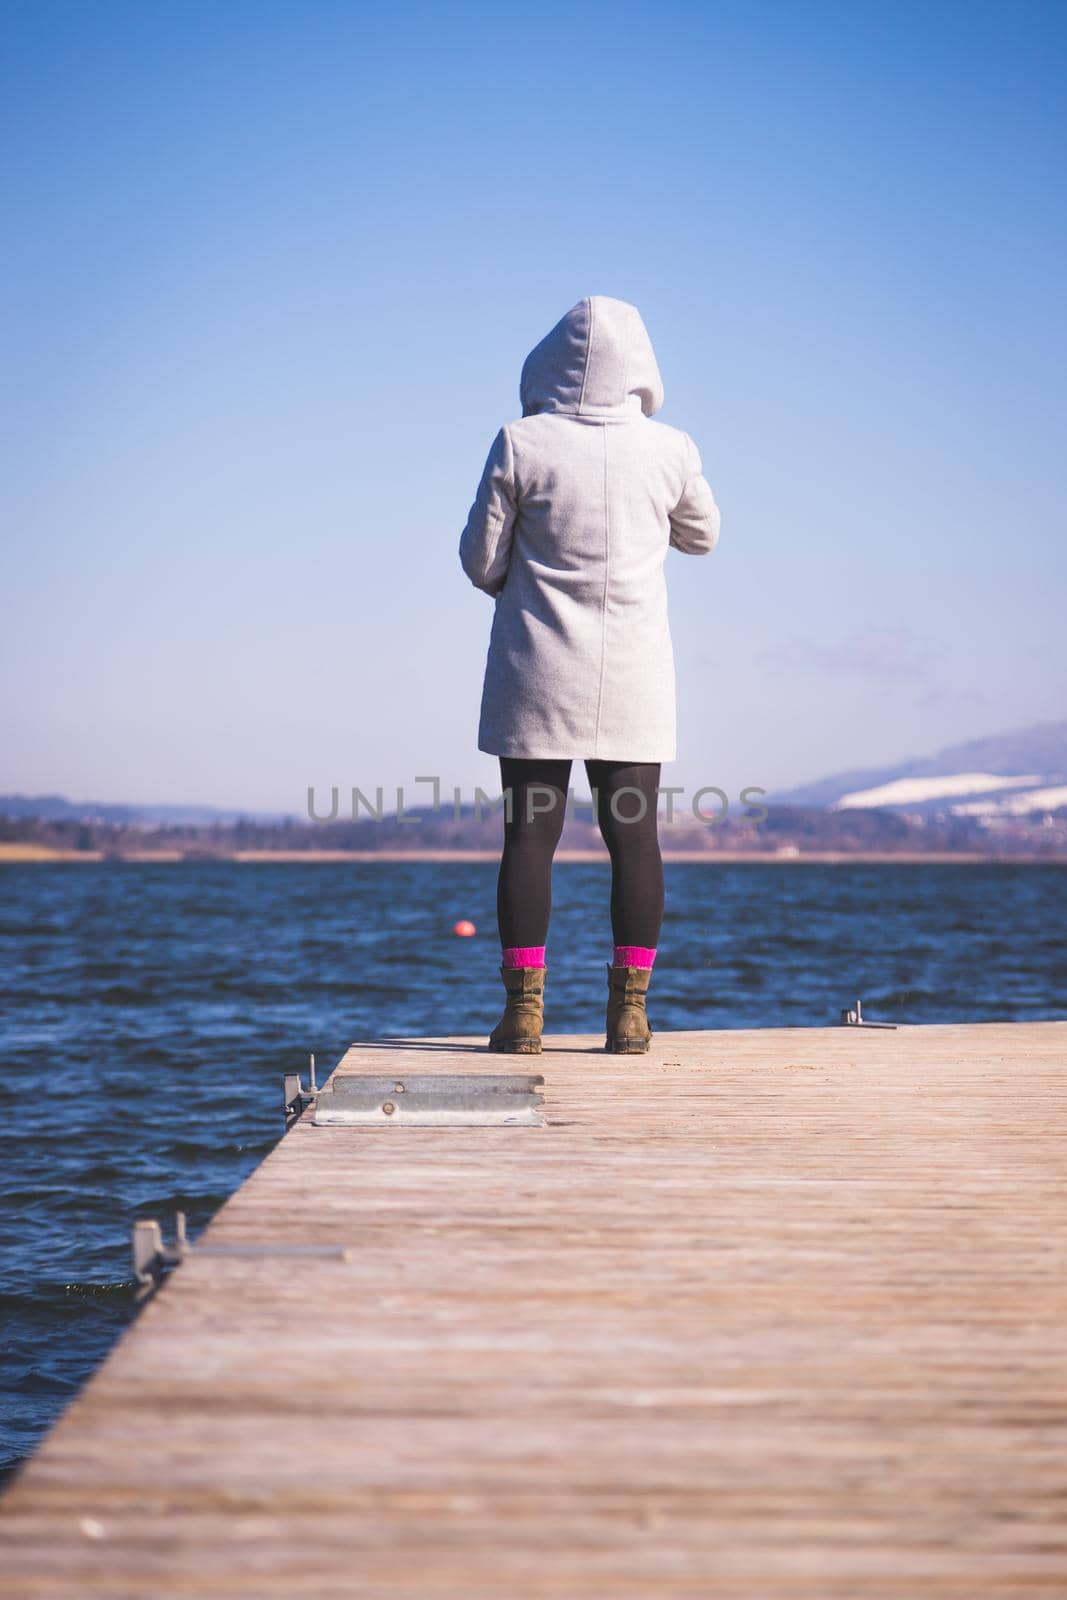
(56, 808)
(1006, 774)
(1020, 775)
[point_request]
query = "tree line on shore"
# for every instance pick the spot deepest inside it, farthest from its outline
(784, 829)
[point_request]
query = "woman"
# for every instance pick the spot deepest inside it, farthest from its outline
(569, 533)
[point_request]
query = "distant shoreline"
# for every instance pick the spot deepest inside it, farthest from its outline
(14, 854)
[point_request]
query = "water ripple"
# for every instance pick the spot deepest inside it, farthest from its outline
(147, 1017)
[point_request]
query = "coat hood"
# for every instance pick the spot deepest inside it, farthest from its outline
(597, 361)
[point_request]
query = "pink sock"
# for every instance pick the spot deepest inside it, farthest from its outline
(633, 955)
(523, 955)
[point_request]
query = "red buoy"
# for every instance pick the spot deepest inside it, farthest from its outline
(464, 930)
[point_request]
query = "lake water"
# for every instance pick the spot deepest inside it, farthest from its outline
(148, 1013)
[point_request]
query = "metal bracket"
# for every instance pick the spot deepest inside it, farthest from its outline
(856, 1019)
(152, 1257)
(295, 1098)
(432, 1100)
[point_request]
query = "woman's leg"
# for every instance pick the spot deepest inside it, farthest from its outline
(626, 796)
(524, 887)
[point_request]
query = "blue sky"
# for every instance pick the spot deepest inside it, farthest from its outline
(271, 271)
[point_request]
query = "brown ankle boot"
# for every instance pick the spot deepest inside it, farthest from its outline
(518, 1033)
(628, 1030)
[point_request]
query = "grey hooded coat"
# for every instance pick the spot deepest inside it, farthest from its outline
(569, 532)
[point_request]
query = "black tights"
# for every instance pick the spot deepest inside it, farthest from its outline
(628, 824)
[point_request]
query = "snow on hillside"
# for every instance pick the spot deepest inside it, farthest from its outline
(1016, 805)
(978, 771)
(920, 791)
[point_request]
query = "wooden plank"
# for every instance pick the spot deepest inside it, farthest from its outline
(765, 1314)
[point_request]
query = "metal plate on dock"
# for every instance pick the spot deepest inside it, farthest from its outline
(438, 1100)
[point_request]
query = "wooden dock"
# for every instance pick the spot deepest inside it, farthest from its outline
(768, 1314)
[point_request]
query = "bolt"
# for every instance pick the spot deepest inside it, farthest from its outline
(389, 1108)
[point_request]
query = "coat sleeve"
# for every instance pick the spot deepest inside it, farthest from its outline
(695, 519)
(485, 544)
